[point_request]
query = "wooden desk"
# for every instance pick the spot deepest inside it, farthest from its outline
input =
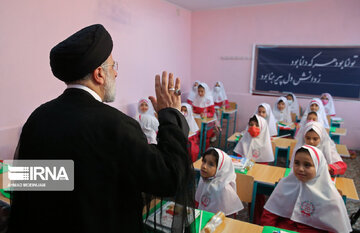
(203, 131)
(226, 114)
(5, 199)
(262, 173)
(339, 132)
(191, 134)
(233, 137)
(284, 143)
(347, 187)
(342, 150)
(231, 225)
(266, 174)
(291, 125)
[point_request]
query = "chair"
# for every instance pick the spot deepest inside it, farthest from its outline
(285, 146)
(227, 116)
(245, 190)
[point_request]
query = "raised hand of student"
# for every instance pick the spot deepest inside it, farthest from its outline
(167, 94)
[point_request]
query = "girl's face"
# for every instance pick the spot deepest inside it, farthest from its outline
(262, 111)
(314, 107)
(184, 110)
(304, 168)
(208, 166)
(312, 117)
(324, 97)
(201, 91)
(312, 138)
(253, 123)
(289, 97)
(217, 85)
(281, 105)
(144, 107)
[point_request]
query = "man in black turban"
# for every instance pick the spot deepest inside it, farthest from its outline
(113, 163)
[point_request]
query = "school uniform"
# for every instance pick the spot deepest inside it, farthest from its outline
(320, 113)
(194, 128)
(283, 115)
(329, 105)
(218, 193)
(193, 92)
(270, 119)
(294, 105)
(204, 104)
(257, 148)
(315, 203)
(326, 145)
(219, 95)
(148, 122)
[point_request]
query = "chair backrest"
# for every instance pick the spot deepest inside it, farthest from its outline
(293, 117)
(292, 147)
(244, 187)
(232, 105)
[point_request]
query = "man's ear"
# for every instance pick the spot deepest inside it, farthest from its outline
(99, 75)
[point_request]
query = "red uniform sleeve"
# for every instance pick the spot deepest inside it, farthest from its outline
(197, 110)
(338, 168)
(210, 111)
(268, 218)
(189, 101)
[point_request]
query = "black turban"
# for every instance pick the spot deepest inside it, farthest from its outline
(81, 53)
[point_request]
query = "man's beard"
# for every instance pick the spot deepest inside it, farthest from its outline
(109, 88)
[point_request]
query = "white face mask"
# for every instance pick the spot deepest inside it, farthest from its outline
(290, 102)
(217, 89)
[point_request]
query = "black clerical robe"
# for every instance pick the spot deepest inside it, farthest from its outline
(113, 165)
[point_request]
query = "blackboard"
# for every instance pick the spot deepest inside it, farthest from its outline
(307, 70)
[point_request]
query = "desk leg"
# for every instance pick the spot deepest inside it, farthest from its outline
(227, 132)
(221, 124)
(204, 138)
(201, 139)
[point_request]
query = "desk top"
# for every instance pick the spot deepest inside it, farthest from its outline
(232, 138)
(342, 150)
(266, 174)
(291, 125)
(338, 131)
(5, 199)
(191, 134)
(347, 187)
(229, 111)
(284, 142)
(231, 225)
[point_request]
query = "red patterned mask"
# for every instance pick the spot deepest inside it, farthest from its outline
(254, 131)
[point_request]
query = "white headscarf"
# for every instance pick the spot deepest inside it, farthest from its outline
(294, 106)
(190, 118)
(205, 101)
(283, 115)
(329, 107)
(219, 93)
(320, 113)
(150, 123)
(269, 118)
(259, 148)
(149, 127)
(316, 203)
(150, 110)
(193, 91)
(326, 145)
(219, 193)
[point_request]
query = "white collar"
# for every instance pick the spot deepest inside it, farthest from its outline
(85, 88)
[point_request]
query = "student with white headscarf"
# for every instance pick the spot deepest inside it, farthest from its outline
(203, 103)
(193, 92)
(256, 144)
(147, 120)
(264, 110)
(314, 134)
(307, 199)
(293, 103)
(281, 110)
(328, 103)
(216, 190)
(315, 105)
(194, 149)
(219, 95)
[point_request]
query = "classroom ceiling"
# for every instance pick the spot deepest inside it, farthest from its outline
(198, 5)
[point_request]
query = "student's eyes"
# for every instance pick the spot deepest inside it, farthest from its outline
(307, 165)
(296, 162)
(211, 164)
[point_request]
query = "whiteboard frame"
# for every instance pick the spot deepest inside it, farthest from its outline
(277, 93)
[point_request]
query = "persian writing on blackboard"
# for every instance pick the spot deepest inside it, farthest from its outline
(309, 73)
